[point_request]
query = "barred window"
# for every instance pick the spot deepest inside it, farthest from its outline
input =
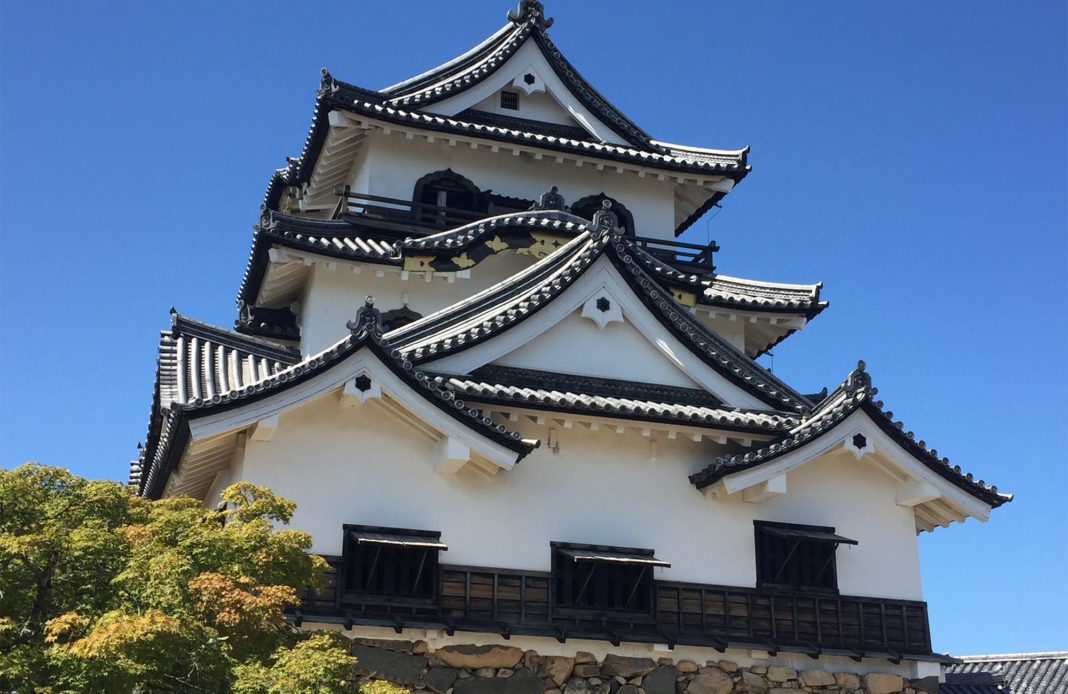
(391, 561)
(797, 556)
(604, 578)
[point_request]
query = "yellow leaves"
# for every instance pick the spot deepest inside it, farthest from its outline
(135, 534)
(238, 604)
(117, 631)
(61, 627)
(253, 502)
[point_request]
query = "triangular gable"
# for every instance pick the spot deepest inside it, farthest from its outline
(598, 263)
(359, 367)
(849, 420)
(519, 56)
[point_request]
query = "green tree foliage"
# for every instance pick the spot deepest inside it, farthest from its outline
(102, 591)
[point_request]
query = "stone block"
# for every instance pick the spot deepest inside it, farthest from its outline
(780, 674)
(557, 667)
(475, 657)
(577, 685)
(847, 681)
(585, 670)
(882, 683)
(816, 678)
(388, 644)
(751, 683)
(395, 666)
(505, 673)
(585, 657)
(628, 689)
(727, 666)
(440, 678)
(522, 682)
(660, 681)
(712, 682)
(686, 666)
(486, 672)
(625, 667)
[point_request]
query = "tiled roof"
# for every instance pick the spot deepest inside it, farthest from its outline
(855, 393)
(594, 385)
(202, 361)
(1010, 673)
(727, 163)
(340, 238)
(634, 407)
(274, 323)
(220, 389)
(754, 295)
(198, 360)
(475, 66)
(480, 317)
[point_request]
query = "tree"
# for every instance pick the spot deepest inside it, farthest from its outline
(102, 591)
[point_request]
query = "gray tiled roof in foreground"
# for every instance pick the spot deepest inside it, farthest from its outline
(1008, 673)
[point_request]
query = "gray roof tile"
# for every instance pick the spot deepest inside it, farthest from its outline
(855, 393)
(1011, 673)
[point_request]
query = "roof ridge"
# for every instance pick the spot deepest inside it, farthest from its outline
(250, 343)
(517, 285)
(995, 657)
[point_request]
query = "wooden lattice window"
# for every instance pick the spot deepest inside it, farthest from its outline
(797, 556)
(510, 100)
(603, 578)
(391, 561)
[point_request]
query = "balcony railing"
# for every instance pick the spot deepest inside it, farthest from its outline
(407, 218)
(521, 602)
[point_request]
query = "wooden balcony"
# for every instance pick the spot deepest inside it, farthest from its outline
(521, 602)
(399, 218)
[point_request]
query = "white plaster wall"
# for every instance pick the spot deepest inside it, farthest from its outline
(616, 351)
(397, 163)
(528, 57)
(361, 465)
(535, 106)
(332, 295)
(731, 330)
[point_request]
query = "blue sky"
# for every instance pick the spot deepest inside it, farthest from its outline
(910, 155)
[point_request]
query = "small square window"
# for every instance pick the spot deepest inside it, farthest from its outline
(510, 100)
(603, 578)
(391, 561)
(797, 556)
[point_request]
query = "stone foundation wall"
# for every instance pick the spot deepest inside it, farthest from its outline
(496, 669)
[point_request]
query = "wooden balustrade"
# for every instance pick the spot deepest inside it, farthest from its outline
(521, 602)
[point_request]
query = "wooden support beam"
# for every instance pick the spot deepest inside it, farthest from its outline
(763, 491)
(912, 492)
(452, 455)
(263, 430)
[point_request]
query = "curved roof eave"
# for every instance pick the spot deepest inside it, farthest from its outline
(854, 394)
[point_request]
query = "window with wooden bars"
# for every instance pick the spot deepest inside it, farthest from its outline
(795, 556)
(603, 578)
(391, 561)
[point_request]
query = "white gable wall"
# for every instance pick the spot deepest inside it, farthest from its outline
(396, 163)
(615, 351)
(362, 465)
(529, 57)
(334, 292)
(548, 326)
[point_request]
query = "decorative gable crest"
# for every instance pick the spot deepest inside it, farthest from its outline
(530, 11)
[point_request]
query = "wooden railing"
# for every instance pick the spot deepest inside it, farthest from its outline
(521, 602)
(406, 217)
(679, 254)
